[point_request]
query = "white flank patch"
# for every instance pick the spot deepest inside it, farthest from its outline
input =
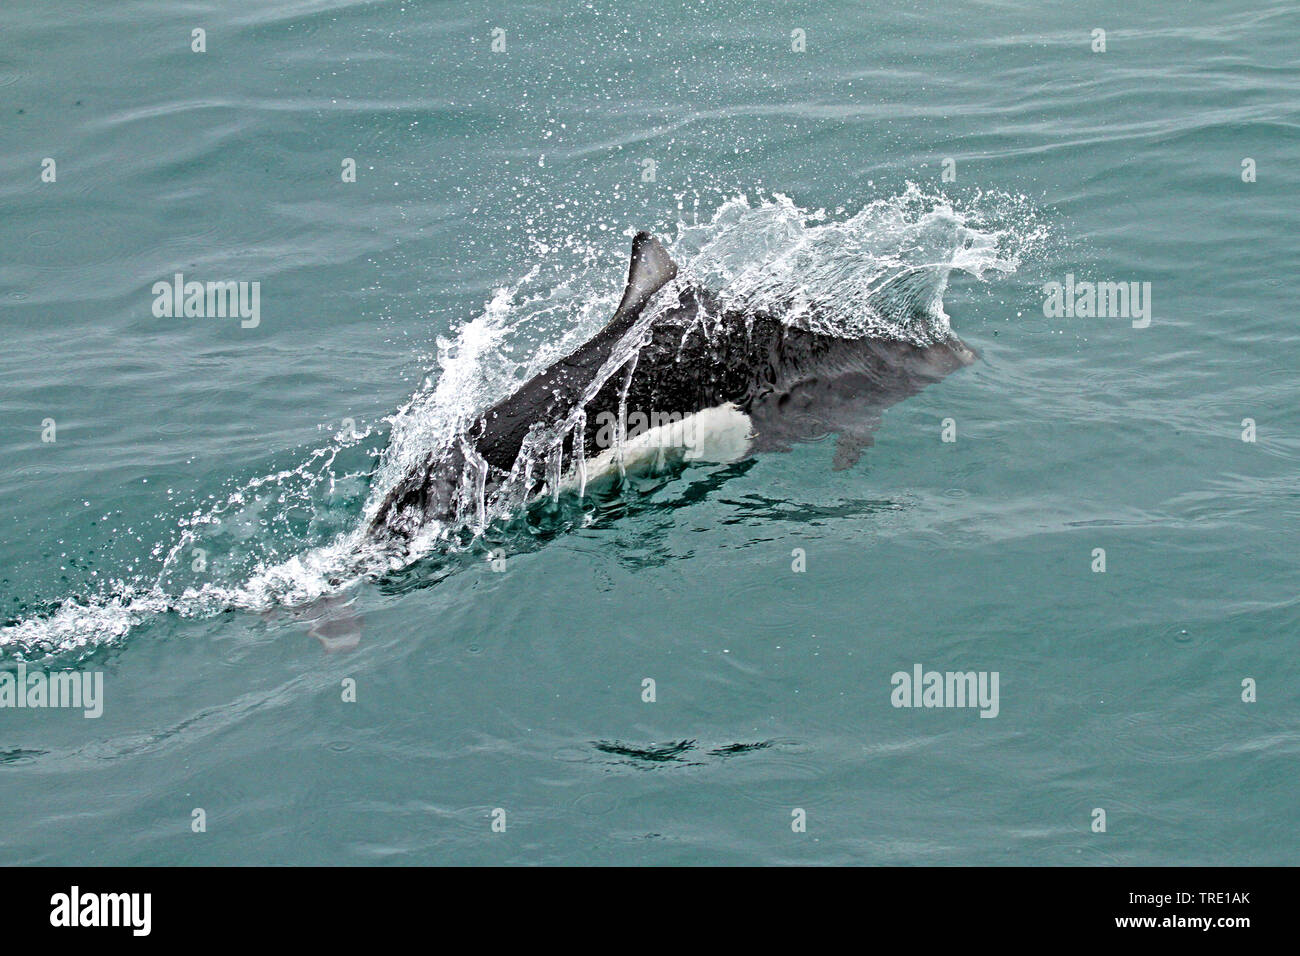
(720, 435)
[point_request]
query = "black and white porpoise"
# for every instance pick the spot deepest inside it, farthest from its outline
(717, 384)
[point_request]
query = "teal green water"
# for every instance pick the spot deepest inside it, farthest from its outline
(487, 229)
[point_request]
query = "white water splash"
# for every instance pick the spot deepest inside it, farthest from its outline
(880, 273)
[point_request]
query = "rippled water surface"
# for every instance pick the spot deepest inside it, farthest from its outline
(192, 533)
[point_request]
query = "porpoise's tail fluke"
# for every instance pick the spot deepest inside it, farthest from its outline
(651, 269)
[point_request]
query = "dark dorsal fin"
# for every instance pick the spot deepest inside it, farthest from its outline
(651, 269)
